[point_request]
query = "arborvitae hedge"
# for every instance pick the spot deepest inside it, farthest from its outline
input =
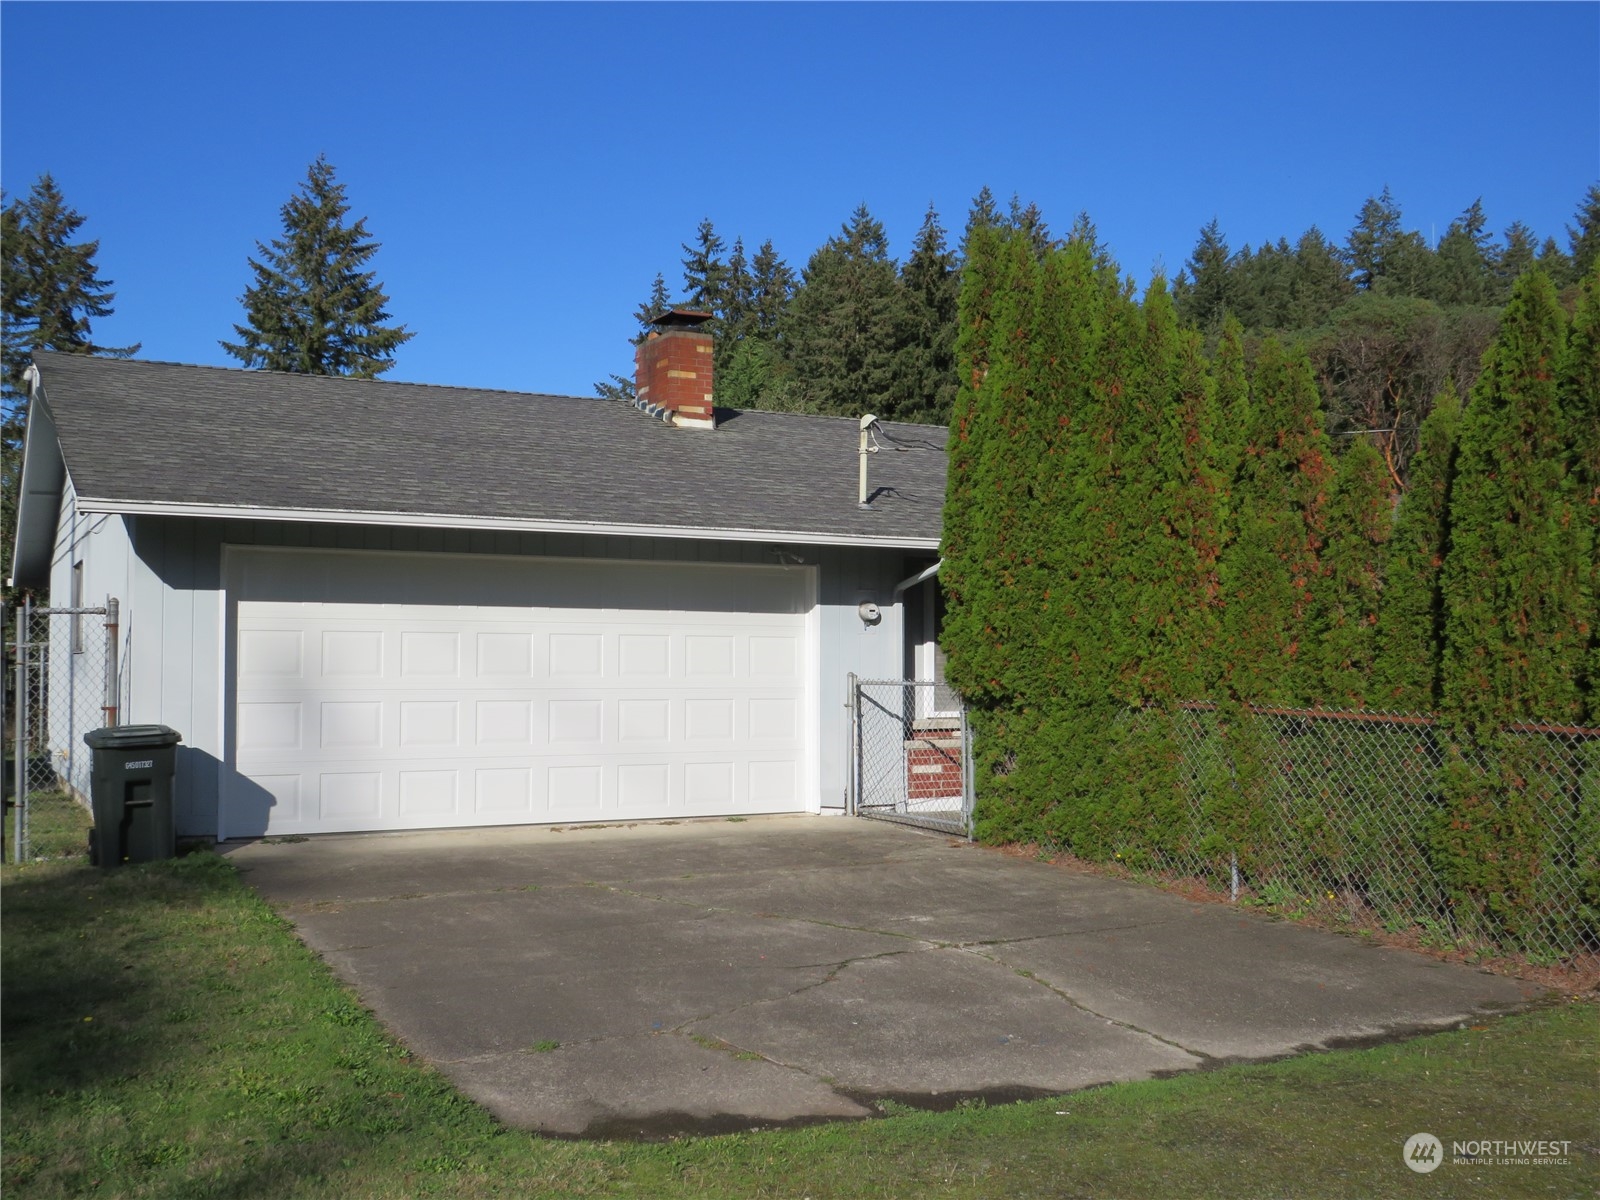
(1515, 635)
(1411, 614)
(1346, 623)
(1131, 527)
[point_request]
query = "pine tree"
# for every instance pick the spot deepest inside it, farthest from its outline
(50, 295)
(1515, 634)
(1348, 599)
(313, 309)
(1411, 614)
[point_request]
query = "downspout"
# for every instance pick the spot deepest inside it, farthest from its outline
(921, 576)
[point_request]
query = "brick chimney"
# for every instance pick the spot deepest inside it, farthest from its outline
(672, 369)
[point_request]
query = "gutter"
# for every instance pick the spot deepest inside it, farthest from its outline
(164, 508)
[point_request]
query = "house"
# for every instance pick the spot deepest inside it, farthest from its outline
(371, 605)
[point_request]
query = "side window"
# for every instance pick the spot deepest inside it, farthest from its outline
(77, 602)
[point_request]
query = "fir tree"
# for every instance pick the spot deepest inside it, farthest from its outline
(1410, 614)
(845, 327)
(772, 287)
(52, 291)
(1318, 284)
(620, 387)
(705, 275)
(1515, 630)
(1370, 248)
(1461, 273)
(984, 214)
(1584, 237)
(313, 309)
(1205, 293)
(929, 283)
(1512, 260)
(50, 295)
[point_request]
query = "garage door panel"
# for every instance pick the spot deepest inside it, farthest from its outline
(355, 715)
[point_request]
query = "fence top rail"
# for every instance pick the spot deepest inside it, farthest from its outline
(69, 612)
(1384, 718)
(898, 683)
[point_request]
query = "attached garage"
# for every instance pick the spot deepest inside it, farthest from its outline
(380, 691)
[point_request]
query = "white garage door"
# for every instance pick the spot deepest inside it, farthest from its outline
(378, 691)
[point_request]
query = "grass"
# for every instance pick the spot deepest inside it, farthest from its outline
(58, 826)
(165, 1035)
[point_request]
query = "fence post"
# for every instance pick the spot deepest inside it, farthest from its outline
(969, 787)
(20, 748)
(852, 738)
(1233, 881)
(113, 702)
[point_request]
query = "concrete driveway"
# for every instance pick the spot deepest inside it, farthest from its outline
(714, 975)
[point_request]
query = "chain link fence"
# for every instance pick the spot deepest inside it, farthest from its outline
(912, 761)
(62, 684)
(1387, 821)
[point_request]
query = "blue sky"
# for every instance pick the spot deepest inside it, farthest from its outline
(529, 168)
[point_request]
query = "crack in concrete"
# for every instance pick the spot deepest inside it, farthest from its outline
(1202, 1057)
(1060, 933)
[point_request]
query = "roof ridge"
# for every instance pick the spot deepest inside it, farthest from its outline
(453, 387)
(262, 371)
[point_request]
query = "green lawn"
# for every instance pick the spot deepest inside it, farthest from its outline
(165, 1035)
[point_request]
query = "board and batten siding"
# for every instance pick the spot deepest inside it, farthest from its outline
(168, 574)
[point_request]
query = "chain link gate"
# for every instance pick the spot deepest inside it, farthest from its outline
(911, 756)
(63, 682)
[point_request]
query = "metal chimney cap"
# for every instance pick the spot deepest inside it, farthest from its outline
(681, 318)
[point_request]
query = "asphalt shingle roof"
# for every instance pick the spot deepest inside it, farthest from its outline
(148, 432)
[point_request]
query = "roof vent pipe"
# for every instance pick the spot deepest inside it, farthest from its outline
(867, 422)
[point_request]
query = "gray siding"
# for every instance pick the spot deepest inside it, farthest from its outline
(168, 573)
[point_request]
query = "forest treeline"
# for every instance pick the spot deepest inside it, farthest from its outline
(1387, 317)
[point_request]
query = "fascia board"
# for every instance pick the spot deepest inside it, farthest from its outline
(98, 504)
(41, 485)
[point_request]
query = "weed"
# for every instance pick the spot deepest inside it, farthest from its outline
(545, 1046)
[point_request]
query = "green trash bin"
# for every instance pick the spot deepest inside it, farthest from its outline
(131, 792)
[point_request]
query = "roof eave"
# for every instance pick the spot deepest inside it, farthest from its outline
(40, 488)
(96, 504)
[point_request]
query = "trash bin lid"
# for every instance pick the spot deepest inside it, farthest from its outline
(129, 737)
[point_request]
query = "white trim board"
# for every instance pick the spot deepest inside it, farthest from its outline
(507, 524)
